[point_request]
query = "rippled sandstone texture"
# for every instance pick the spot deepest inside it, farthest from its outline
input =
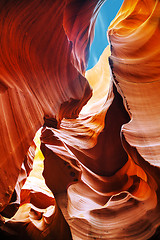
(101, 161)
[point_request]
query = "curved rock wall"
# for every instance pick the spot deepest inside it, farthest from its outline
(98, 141)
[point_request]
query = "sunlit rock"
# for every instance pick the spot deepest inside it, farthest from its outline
(92, 170)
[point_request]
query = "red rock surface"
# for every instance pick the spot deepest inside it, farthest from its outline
(98, 130)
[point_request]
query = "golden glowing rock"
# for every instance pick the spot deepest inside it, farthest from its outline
(92, 170)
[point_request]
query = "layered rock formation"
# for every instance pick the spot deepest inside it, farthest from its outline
(98, 141)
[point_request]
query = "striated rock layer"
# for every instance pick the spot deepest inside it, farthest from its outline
(34, 49)
(98, 130)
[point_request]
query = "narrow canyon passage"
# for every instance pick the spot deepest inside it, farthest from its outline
(79, 148)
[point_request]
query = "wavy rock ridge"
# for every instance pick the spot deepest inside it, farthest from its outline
(98, 138)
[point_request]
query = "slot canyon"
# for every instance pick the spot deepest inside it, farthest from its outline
(80, 148)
